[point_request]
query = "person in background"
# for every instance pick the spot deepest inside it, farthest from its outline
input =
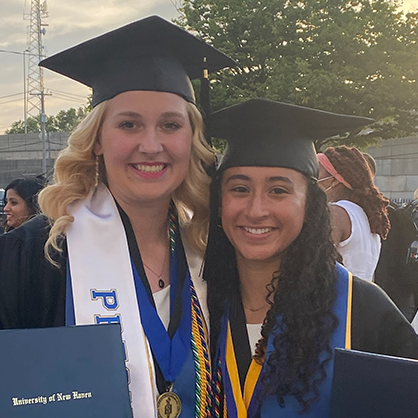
(397, 269)
(359, 217)
(129, 208)
(21, 201)
(371, 162)
(279, 303)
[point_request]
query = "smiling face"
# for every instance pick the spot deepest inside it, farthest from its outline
(263, 210)
(146, 142)
(16, 209)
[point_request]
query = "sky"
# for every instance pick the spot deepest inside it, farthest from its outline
(69, 23)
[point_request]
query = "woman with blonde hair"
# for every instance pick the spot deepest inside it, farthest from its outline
(129, 214)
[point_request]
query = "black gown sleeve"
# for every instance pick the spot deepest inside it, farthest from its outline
(377, 324)
(32, 290)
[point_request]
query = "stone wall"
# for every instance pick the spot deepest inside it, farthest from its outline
(397, 167)
(21, 154)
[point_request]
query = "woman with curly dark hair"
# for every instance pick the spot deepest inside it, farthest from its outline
(279, 304)
(359, 216)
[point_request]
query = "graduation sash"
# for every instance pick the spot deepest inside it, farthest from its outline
(103, 290)
(244, 403)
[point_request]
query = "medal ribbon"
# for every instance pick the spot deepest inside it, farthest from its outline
(170, 353)
(169, 347)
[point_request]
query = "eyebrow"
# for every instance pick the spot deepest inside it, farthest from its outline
(280, 178)
(237, 177)
(131, 114)
(128, 114)
(269, 180)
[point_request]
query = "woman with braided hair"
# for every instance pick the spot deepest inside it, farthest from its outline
(279, 303)
(359, 217)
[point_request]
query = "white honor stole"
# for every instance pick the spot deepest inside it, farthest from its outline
(104, 291)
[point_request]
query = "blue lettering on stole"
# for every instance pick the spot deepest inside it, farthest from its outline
(113, 319)
(111, 303)
(109, 298)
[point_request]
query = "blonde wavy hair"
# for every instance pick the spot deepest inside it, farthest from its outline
(75, 178)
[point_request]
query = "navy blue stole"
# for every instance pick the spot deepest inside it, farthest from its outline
(243, 403)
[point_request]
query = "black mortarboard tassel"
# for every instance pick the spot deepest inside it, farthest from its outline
(261, 132)
(150, 54)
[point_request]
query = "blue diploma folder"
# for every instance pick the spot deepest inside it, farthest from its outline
(66, 372)
(369, 385)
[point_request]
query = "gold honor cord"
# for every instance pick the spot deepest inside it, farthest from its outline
(349, 309)
(201, 358)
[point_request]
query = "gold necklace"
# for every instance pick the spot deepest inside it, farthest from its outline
(257, 309)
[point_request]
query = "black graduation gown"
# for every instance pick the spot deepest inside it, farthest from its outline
(32, 290)
(32, 295)
(378, 326)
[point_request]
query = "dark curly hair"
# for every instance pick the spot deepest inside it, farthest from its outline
(352, 165)
(304, 300)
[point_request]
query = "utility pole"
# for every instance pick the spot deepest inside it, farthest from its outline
(35, 92)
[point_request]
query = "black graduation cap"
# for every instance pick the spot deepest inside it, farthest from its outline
(266, 133)
(150, 54)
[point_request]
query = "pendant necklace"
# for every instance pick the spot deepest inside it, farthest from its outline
(161, 283)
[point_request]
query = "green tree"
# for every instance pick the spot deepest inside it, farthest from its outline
(33, 125)
(357, 57)
(64, 121)
(67, 120)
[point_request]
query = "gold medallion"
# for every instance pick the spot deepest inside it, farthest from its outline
(168, 405)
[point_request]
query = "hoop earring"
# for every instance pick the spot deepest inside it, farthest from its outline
(96, 180)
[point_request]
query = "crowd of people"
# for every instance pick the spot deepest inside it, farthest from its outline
(272, 251)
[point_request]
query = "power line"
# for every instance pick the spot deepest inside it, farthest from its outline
(11, 101)
(11, 95)
(70, 94)
(71, 99)
(19, 53)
